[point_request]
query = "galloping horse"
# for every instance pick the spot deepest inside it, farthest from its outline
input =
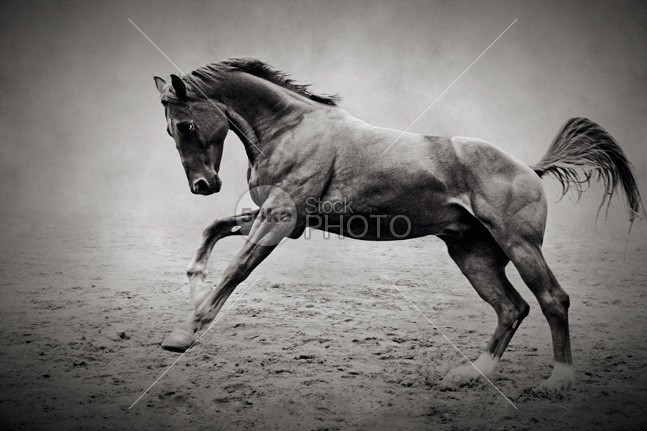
(487, 206)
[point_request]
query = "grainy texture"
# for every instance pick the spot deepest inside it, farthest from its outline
(83, 136)
(322, 341)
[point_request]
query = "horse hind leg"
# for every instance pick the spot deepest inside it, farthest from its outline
(554, 302)
(483, 263)
(520, 236)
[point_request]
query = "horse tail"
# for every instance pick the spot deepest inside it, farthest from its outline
(583, 151)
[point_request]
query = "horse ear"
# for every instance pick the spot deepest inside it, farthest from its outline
(159, 83)
(179, 87)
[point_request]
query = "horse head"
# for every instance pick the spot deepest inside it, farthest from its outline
(199, 127)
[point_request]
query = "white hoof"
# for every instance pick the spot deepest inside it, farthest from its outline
(562, 378)
(470, 373)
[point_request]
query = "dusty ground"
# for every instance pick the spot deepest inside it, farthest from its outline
(321, 341)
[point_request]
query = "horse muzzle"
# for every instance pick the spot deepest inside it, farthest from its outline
(200, 186)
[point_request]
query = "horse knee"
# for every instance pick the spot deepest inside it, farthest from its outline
(214, 228)
(220, 229)
(512, 314)
(524, 310)
(555, 306)
(564, 299)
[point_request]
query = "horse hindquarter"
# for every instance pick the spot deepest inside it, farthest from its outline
(507, 198)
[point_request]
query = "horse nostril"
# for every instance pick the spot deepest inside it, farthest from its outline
(200, 186)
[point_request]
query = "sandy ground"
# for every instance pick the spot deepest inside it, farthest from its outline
(321, 341)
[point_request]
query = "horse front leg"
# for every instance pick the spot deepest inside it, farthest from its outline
(220, 228)
(264, 236)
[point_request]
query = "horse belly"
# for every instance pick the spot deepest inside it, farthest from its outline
(447, 219)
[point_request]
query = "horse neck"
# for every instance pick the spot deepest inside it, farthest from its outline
(258, 109)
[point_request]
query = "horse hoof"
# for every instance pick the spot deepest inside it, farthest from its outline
(470, 374)
(562, 378)
(179, 340)
(459, 377)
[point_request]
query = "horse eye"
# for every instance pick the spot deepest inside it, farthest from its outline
(185, 127)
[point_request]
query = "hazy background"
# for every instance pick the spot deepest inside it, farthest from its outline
(98, 223)
(83, 132)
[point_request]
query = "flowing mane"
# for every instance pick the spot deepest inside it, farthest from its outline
(211, 74)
